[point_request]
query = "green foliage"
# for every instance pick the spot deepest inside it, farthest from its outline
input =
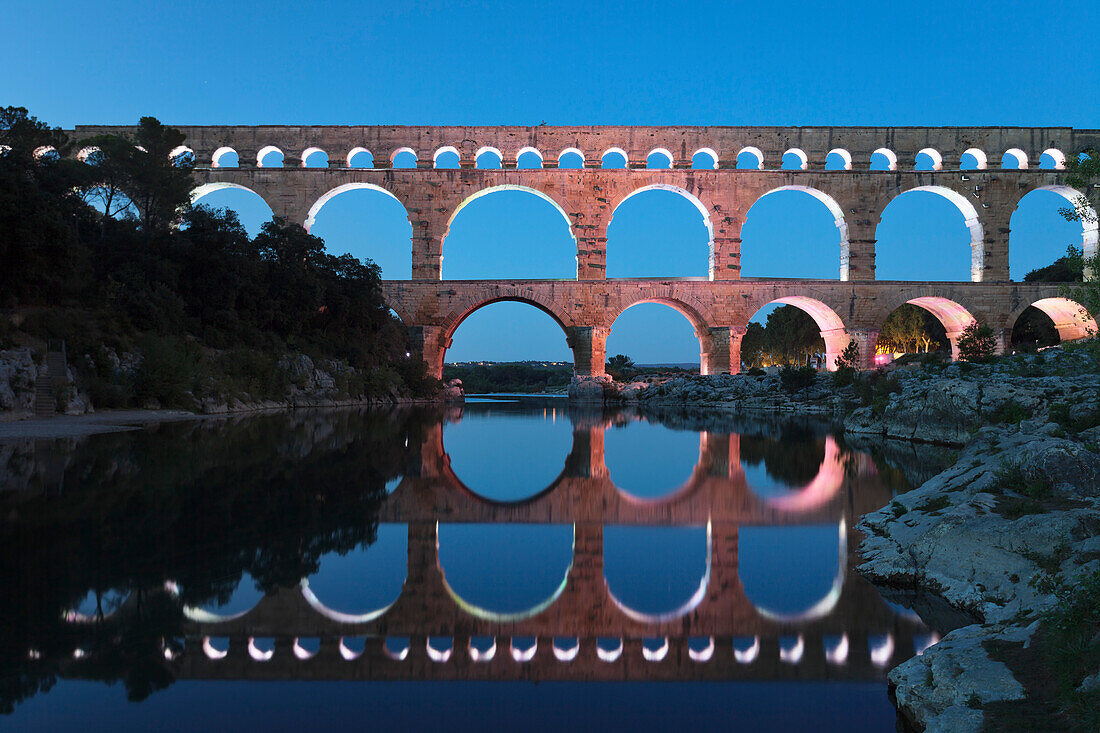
(911, 329)
(756, 372)
(753, 346)
(791, 335)
(620, 367)
(977, 342)
(874, 390)
(1063, 414)
(795, 379)
(1034, 485)
(1065, 269)
(1073, 642)
(167, 372)
(847, 364)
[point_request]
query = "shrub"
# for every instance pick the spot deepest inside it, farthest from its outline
(168, 366)
(977, 342)
(795, 379)
(756, 372)
(1011, 412)
(1033, 484)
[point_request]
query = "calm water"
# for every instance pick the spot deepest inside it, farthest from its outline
(506, 564)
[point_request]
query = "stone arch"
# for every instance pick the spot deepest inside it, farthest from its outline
(446, 149)
(308, 152)
(311, 216)
(890, 155)
(535, 151)
(567, 151)
(620, 151)
(499, 294)
(399, 151)
(754, 151)
(1057, 156)
(934, 155)
(206, 188)
(178, 151)
(838, 217)
(1019, 155)
(45, 151)
(819, 491)
(663, 616)
(1089, 228)
(216, 158)
(660, 151)
(697, 314)
(708, 152)
(86, 153)
(263, 153)
(979, 156)
(952, 315)
(511, 187)
(752, 580)
(691, 198)
(489, 149)
(830, 324)
(972, 222)
(356, 151)
(843, 155)
(1070, 318)
(801, 155)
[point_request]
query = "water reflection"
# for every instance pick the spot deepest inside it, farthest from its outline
(494, 542)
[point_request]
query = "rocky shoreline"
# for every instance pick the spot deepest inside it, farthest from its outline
(1015, 518)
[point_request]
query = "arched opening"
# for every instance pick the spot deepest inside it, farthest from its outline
(750, 158)
(360, 158)
(1050, 321)
(46, 153)
(659, 158)
(953, 317)
(361, 584)
(793, 573)
(367, 222)
(910, 329)
(659, 231)
(505, 572)
(928, 159)
(1052, 159)
(838, 159)
(795, 231)
(613, 158)
(225, 158)
(930, 233)
(776, 466)
(656, 574)
(314, 158)
(488, 157)
(884, 159)
(660, 338)
(511, 471)
(1014, 159)
(704, 159)
(794, 330)
(973, 159)
(1040, 235)
(508, 232)
(244, 597)
(181, 156)
(648, 461)
(571, 158)
(403, 158)
(269, 157)
(447, 158)
(528, 158)
(795, 159)
(250, 208)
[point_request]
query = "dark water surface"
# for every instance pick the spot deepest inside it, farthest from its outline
(509, 564)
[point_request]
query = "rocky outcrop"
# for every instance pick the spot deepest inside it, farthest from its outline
(18, 374)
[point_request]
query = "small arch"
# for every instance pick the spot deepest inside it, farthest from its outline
(320, 158)
(978, 160)
(225, 157)
(267, 153)
(179, 155)
(360, 157)
(88, 155)
(1014, 159)
(1052, 159)
(614, 152)
(746, 157)
(657, 164)
(488, 157)
(46, 152)
(884, 159)
(704, 158)
(528, 152)
(571, 158)
(795, 159)
(928, 159)
(447, 150)
(406, 152)
(838, 159)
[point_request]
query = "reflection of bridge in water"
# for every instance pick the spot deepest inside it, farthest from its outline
(583, 631)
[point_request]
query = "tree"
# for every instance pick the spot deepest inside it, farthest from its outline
(1065, 269)
(977, 342)
(620, 367)
(791, 335)
(753, 346)
(847, 364)
(1083, 174)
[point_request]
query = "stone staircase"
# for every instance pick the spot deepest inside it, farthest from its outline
(53, 378)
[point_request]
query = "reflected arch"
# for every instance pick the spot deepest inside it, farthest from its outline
(803, 497)
(505, 572)
(540, 270)
(650, 463)
(363, 584)
(974, 231)
(656, 574)
(793, 573)
(835, 212)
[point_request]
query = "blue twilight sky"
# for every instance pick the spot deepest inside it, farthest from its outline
(732, 63)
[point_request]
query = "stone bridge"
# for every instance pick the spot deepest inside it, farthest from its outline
(700, 164)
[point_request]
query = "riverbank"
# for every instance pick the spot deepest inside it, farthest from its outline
(1009, 534)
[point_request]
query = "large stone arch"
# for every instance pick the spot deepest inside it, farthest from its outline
(695, 311)
(1070, 318)
(315, 209)
(826, 316)
(953, 315)
(691, 198)
(971, 220)
(834, 209)
(214, 186)
(1090, 233)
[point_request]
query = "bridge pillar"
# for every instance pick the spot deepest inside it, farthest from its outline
(589, 345)
(427, 250)
(591, 252)
(866, 338)
(586, 459)
(725, 256)
(430, 344)
(716, 355)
